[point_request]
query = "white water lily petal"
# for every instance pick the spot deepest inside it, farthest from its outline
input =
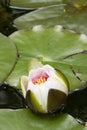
(55, 83)
(41, 95)
(24, 85)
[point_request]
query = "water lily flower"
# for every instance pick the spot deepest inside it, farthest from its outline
(45, 89)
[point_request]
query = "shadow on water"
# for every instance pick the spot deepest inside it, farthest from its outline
(11, 97)
(77, 104)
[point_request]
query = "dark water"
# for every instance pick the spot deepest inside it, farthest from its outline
(6, 21)
(7, 16)
(12, 98)
(77, 104)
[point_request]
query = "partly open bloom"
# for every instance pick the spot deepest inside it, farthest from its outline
(45, 89)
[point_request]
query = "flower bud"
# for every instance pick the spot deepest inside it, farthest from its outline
(45, 89)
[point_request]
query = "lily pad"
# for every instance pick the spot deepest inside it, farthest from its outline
(60, 48)
(8, 56)
(24, 119)
(21, 68)
(33, 3)
(70, 16)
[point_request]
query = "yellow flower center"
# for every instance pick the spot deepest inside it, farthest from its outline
(40, 80)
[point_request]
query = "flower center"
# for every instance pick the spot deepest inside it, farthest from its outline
(40, 79)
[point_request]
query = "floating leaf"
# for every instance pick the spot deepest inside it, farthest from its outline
(24, 119)
(8, 55)
(33, 3)
(54, 46)
(78, 63)
(70, 17)
(21, 68)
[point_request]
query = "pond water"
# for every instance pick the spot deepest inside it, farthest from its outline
(12, 98)
(7, 15)
(77, 104)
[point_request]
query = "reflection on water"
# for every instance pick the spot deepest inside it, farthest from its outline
(6, 21)
(7, 15)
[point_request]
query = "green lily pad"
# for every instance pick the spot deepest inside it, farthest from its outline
(24, 119)
(33, 3)
(8, 56)
(71, 17)
(78, 63)
(60, 48)
(21, 68)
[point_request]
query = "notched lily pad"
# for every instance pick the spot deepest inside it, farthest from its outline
(21, 68)
(79, 65)
(53, 46)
